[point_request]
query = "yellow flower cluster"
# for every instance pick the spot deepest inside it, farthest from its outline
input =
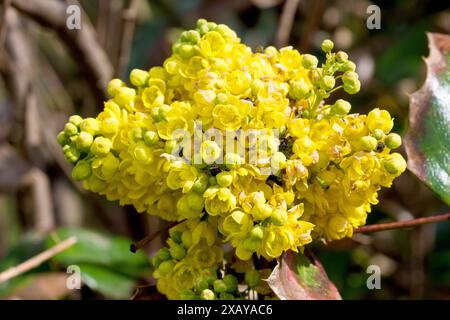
(313, 172)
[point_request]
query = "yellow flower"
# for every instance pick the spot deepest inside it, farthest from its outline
(181, 176)
(219, 201)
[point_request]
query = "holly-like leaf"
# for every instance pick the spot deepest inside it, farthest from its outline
(427, 142)
(301, 277)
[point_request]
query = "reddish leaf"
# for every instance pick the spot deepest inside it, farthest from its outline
(427, 141)
(301, 277)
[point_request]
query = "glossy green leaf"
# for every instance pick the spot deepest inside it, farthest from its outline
(102, 250)
(301, 277)
(428, 140)
(109, 283)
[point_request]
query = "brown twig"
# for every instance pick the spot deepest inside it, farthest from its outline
(286, 22)
(82, 43)
(37, 260)
(129, 16)
(141, 243)
(402, 224)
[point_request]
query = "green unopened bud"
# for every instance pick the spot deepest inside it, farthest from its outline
(395, 164)
(252, 278)
(90, 125)
(176, 236)
(193, 36)
(186, 51)
(155, 262)
(202, 284)
(309, 61)
(186, 238)
(226, 296)
(137, 134)
(327, 45)
(188, 295)
(201, 22)
(71, 153)
(81, 171)
(393, 141)
(212, 181)
(84, 140)
(76, 120)
(378, 134)
(219, 286)
(207, 294)
(327, 83)
(195, 201)
(251, 244)
(257, 233)
(340, 107)
(315, 76)
(231, 282)
(201, 183)
(156, 114)
(142, 153)
(341, 56)
(113, 85)
(70, 129)
(62, 139)
(138, 78)
(352, 88)
(261, 211)
(163, 254)
(298, 89)
(368, 143)
(151, 138)
(348, 66)
(224, 178)
(166, 267)
(279, 217)
(101, 146)
(177, 252)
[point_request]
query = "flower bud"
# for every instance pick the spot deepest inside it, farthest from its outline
(298, 89)
(81, 171)
(89, 125)
(188, 295)
(70, 129)
(201, 183)
(378, 134)
(166, 267)
(84, 140)
(138, 78)
(368, 143)
(212, 181)
(71, 153)
(177, 252)
(171, 147)
(176, 236)
(151, 138)
(186, 239)
(279, 217)
(62, 139)
(340, 108)
(257, 233)
(155, 262)
(207, 294)
(142, 153)
(224, 178)
(186, 51)
(394, 164)
(110, 125)
(327, 83)
(341, 56)
(113, 85)
(195, 201)
(348, 66)
(261, 211)
(76, 120)
(193, 36)
(252, 278)
(352, 88)
(327, 45)
(125, 96)
(163, 254)
(309, 61)
(219, 286)
(393, 141)
(231, 282)
(226, 296)
(101, 146)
